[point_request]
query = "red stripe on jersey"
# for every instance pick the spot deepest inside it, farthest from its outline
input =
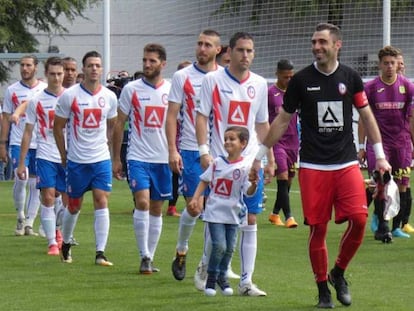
(360, 99)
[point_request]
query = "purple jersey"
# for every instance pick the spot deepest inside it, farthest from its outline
(290, 139)
(391, 105)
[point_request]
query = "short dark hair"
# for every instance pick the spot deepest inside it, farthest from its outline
(138, 74)
(333, 29)
(53, 61)
(69, 59)
(242, 132)
(222, 51)
(156, 48)
(284, 64)
(35, 59)
(90, 54)
(184, 64)
(239, 35)
(210, 32)
(388, 50)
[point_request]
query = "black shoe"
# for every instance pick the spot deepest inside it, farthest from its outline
(145, 267)
(341, 287)
(325, 300)
(66, 253)
(178, 266)
(385, 237)
(101, 260)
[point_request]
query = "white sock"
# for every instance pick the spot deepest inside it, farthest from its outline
(48, 220)
(19, 195)
(154, 233)
(185, 229)
(207, 245)
(68, 225)
(248, 250)
(33, 202)
(59, 207)
(141, 227)
(101, 228)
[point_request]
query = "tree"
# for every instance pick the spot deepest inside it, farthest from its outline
(17, 17)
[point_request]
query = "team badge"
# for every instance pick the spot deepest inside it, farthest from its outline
(342, 88)
(101, 102)
(251, 92)
(164, 99)
(236, 174)
(401, 88)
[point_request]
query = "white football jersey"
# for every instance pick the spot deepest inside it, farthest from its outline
(146, 105)
(228, 102)
(15, 95)
(185, 90)
(41, 112)
(228, 183)
(87, 115)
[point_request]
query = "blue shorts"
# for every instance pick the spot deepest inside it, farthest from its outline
(29, 162)
(50, 175)
(153, 176)
(84, 177)
(191, 172)
(255, 203)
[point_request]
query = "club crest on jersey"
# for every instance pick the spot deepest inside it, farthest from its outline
(238, 113)
(223, 186)
(251, 92)
(401, 88)
(164, 99)
(342, 88)
(101, 102)
(154, 116)
(236, 174)
(91, 118)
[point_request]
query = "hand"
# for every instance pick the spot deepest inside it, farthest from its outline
(193, 207)
(362, 156)
(117, 169)
(175, 161)
(3, 153)
(382, 165)
(14, 118)
(205, 161)
(254, 171)
(22, 172)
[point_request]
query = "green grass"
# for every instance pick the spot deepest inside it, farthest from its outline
(380, 275)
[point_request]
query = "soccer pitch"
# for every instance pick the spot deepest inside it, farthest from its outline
(380, 275)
